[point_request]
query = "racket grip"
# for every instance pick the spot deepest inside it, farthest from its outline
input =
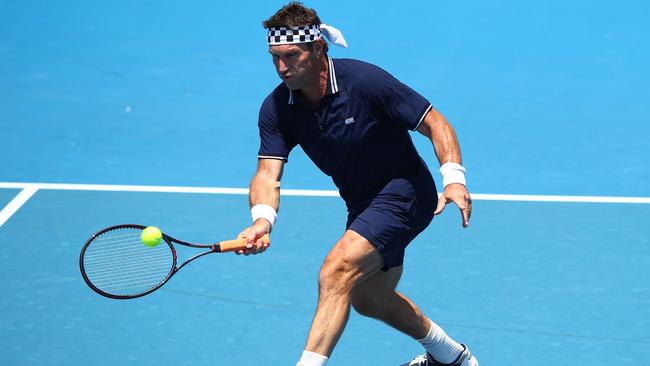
(238, 244)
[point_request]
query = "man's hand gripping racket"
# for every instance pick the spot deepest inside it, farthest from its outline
(254, 236)
(115, 263)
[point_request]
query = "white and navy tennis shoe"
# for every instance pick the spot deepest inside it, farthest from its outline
(464, 359)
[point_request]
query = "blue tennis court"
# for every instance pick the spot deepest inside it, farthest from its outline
(106, 105)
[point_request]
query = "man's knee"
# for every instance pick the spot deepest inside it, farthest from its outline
(351, 260)
(371, 305)
(336, 274)
(342, 267)
(376, 296)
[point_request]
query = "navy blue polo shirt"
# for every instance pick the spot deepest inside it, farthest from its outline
(358, 135)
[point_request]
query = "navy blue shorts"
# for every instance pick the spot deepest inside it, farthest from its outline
(397, 214)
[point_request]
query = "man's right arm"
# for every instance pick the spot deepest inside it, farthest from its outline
(264, 191)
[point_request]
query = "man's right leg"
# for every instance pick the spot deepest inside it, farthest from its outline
(376, 297)
(352, 259)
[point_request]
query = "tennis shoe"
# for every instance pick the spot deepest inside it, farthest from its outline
(464, 359)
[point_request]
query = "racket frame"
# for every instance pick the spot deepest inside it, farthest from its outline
(231, 245)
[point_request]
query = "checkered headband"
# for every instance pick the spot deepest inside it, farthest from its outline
(285, 35)
(304, 34)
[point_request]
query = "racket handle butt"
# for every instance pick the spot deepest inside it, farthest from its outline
(237, 244)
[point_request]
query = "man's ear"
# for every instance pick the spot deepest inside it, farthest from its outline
(318, 48)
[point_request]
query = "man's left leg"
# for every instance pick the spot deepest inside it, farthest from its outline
(376, 297)
(351, 260)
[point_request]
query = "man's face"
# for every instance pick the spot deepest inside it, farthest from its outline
(294, 64)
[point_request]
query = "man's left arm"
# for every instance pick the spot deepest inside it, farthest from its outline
(445, 144)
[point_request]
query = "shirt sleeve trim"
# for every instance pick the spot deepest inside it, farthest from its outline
(272, 157)
(422, 117)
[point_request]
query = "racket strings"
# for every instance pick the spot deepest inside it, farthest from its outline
(107, 270)
(126, 251)
(112, 236)
(118, 263)
(119, 241)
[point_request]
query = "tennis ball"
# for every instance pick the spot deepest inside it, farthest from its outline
(151, 236)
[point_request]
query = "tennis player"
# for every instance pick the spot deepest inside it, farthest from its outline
(353, 120)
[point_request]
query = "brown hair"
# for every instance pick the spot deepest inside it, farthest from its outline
(294, 14)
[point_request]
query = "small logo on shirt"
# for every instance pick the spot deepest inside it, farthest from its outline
(349, 121)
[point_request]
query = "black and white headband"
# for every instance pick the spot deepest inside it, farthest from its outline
(306, 34)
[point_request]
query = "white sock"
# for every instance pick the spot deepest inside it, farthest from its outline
(312, 359)
(440, 346)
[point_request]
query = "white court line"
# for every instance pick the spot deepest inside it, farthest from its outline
(27, 192)
(551, 198)
(310, 192)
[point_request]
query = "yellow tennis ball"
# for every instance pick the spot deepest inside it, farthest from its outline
(151, 236)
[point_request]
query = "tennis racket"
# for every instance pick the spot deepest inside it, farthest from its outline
(115, 263)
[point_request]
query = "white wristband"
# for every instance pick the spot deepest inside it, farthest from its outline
(264, 211)
(452, 173)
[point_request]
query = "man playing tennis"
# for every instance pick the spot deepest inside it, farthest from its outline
(352, 119)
